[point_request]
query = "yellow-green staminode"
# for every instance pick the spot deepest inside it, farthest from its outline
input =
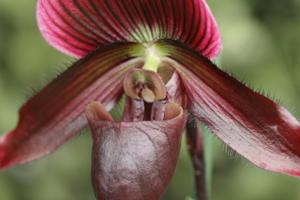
(152, 58)
(153, 54)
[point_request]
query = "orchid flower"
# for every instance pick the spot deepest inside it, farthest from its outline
(158, 55)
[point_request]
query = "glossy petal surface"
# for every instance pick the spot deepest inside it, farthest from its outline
(56, 113)
(77, 27)
(134, 160)
(256, 127)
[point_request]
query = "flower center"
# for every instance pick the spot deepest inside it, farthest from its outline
(141, 84)
(146, 94)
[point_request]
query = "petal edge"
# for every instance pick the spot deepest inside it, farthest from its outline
(254, 126)
(79, 27)
(56, 113)
(134, 160)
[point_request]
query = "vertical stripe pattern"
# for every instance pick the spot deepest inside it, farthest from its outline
(77, 27)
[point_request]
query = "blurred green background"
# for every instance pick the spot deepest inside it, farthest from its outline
(261, 46)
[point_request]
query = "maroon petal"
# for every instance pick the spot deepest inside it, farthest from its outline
(77, 27)
(175, 91)
(134, 160)
(55, 114)
(256, 127)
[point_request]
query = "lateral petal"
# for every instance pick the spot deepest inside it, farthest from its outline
(56, 114)
(254, 126)
(134, 160)
(77, 27)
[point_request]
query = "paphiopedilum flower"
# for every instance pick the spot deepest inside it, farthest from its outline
(158, 53)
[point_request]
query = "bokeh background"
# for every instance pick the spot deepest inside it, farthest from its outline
(261, 46)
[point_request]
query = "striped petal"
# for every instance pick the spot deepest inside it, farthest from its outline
(55, 114)
(134, 160)
(77, 27)
(254, 126)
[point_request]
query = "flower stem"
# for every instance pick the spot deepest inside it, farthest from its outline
(196, 151)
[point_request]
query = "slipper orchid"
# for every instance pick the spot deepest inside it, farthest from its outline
(158, 53)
